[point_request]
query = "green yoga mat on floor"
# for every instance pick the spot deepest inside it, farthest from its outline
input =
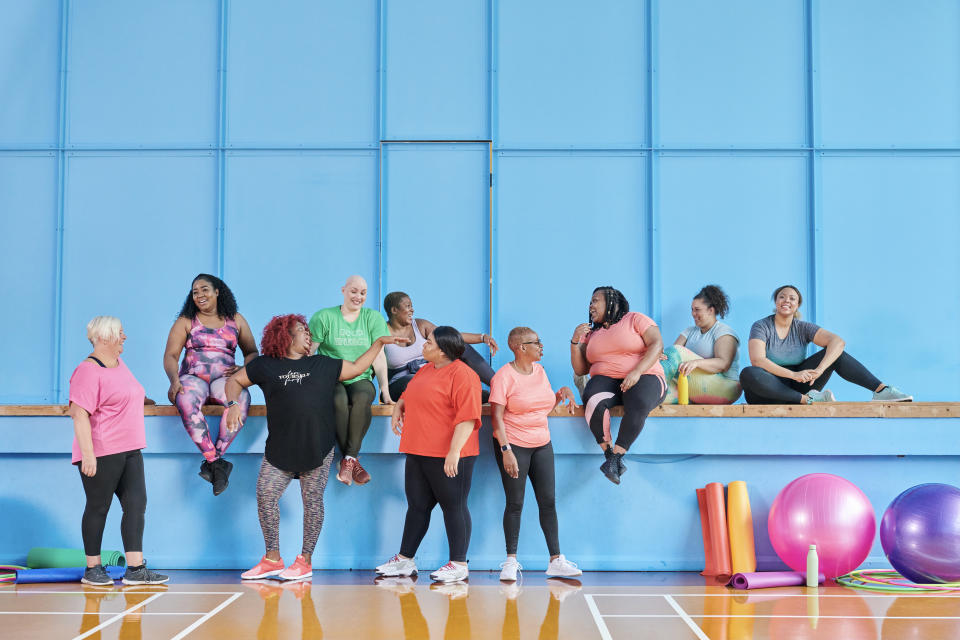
(52, 558)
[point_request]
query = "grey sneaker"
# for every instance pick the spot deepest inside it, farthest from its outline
(142, 575)
(891, 394)
(96, 575)
(820, 396)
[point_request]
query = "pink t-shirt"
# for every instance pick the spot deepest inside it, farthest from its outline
(114, 400)
(615, 351)
(527, 400)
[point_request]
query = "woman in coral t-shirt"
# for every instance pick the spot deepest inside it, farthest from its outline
(437, 419)
(521, 398)
(621, 351)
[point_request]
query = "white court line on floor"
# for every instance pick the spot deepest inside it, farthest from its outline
(785, 615)
(770, 593)
(118, 616)
(697, 631)
(206, 617)
(107, 592)
(597, 618)
(86, 613)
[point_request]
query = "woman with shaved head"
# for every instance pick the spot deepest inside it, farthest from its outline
(345, 332)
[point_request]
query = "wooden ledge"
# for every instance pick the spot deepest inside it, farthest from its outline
(819, 410)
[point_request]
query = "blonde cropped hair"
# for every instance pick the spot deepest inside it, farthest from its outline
(103, 328)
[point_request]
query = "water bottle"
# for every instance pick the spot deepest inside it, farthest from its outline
(813, 567)
(683, 389)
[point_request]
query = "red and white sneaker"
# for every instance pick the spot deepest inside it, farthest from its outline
(299, 570)
(345, 474)
(264, 569)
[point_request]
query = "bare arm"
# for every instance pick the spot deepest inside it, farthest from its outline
(724, 350)
(235, 384)
(380, 370)
(81, 428)
(461, 433)
(361, 364)
(680, 341)
(481, 338)
(500, 433)
(578, 351)
(176, 340)
(654, 342)
(834, 345)
(248, 345)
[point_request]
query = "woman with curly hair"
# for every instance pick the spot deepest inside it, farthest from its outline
(301, 430)
(210, 329)
(620, 349)
(706, 353)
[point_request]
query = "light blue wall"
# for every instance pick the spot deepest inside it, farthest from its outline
(653, 145)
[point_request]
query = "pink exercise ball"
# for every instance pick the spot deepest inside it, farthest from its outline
(825, 510)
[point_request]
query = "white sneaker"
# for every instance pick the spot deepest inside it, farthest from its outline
(510, 591)
(398, 584)
(563, 568)
(450, 572)
(397, 566)
(509, 569)
(560, 588)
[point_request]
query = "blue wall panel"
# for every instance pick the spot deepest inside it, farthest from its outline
(566, 224)
(568, 77)
(302, 74)
(734, 220)
(891, 267)
(436, 75)
(723, 91)
(29, 63)
(436, 215)
(142, 73)
(890, 73)
(297, 225)
(137, 229)
(28, 262)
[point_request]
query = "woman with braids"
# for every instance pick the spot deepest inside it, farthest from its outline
(301, 431)
(210, 329)
(621, 351)
(781, 372)
(403, 362)
(706, 353)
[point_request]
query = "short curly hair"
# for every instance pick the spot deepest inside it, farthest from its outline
(278, 334)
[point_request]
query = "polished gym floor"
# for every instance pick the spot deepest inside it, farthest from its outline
(351, 604)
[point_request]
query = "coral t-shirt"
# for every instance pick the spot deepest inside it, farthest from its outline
(527, 400)
(435, 402)
(114, 400)
(616, 350)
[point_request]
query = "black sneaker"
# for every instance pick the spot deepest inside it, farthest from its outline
(206, 471)
(221, 475)
(609, 467)
(96, 575)
(142, 575)
(621, 468)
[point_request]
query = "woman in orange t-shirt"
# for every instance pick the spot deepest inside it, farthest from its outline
(437, 419)
(621, 351)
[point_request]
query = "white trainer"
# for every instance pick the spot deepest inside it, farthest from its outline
(509, 569)
(397, 566)
(450, 572)
(563, 568)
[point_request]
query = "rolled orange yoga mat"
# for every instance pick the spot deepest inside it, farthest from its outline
(708, 563)
(743, 557)
(719, 541)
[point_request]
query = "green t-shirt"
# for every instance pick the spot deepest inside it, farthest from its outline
(347, 340)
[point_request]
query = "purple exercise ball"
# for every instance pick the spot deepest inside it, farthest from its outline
(825, 510)
(920, 533)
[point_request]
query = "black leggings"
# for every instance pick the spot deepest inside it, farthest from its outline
(351, 405)
(120, 474)
(638, 401)
(536, 462)
(426, 485)
(762, 387)
(473, 359)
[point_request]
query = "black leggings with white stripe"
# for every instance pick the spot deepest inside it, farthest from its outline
(638, 401)
(426, 486)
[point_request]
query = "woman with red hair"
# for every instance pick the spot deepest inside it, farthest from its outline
(301, 431)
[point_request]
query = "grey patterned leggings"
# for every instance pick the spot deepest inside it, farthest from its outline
(272, 482)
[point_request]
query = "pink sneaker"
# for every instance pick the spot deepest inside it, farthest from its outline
(299, 570)
(264, 569)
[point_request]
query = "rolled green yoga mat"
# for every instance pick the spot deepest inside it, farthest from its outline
(52, 558)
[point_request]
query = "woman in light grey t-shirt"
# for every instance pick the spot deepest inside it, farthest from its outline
(707, 353)
(783, 374)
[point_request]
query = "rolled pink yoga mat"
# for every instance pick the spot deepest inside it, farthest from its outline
(766, 579)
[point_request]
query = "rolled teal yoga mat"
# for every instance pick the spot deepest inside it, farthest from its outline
(55, 558)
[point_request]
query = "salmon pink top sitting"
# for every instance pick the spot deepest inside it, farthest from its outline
(616, 350)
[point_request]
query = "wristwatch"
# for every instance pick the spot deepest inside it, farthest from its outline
(231, 403)
(505, 447)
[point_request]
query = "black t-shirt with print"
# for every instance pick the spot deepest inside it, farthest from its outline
(301, 429)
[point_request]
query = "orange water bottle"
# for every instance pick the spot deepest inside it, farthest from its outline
(683, 389)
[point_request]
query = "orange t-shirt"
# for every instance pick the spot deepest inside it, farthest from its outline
(615, 351)
(436, 401)
(527, 400)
